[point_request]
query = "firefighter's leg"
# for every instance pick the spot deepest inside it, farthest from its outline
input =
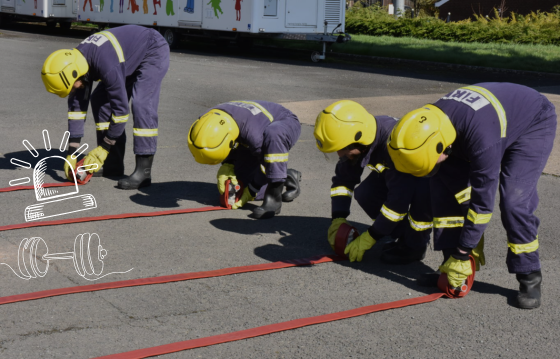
(101, 108)
(522, 166)
(412, 245)
(449, 195)
(145, 102)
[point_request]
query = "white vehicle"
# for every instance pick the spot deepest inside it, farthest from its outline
(49, 11)
(239, 20)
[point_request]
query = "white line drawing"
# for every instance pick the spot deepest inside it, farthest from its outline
(20, 181)
(64, 141)
(47, 140)
(20, 163)
(30, 148)
(88, 255)
(50, 198)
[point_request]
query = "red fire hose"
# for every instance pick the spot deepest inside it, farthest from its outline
(345, 234)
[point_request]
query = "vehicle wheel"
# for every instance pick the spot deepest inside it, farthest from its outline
(171, 37)
(66, 25)
(51, 24)
(316, 56)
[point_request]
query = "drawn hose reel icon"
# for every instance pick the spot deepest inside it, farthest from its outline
(88, 256)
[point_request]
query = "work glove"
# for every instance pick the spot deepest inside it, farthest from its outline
(478, 254)
(457, 267)
(96, 156)
(245, 197)
(226, 172)
(333, 229)
(356, 249)
(70, 167)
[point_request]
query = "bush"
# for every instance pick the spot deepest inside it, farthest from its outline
(535, 28)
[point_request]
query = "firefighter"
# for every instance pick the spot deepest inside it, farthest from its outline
(252, 140)
(130, 63)
(484, 135)
(398, 203)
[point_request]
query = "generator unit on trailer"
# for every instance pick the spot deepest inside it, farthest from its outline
(239, 20)
(48, 11)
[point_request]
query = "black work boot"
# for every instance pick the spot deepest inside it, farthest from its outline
(430, 279)
(142, 176)
(402, 254)
(272, 201)
(114, 164)
(529, 296)
(292, 185)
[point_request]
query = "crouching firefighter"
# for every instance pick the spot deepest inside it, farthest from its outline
(252, 140)
(129, 62)
(484, 135)
(397, 202)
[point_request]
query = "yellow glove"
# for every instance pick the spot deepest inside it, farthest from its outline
(478, 254)
(335, 225)
(69, 169)
(356, 249)
(96, 156)
(226, 172)
(457, 271)
(245, 197)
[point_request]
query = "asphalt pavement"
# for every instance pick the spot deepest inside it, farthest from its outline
(484, 324)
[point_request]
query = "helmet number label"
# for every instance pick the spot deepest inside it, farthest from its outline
(423, 119)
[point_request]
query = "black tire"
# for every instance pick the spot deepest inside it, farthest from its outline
(171, 36)
(66, 25)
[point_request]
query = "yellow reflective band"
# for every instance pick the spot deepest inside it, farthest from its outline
(341, 191)
(102, 126)
(145, 132)
(524, 248)
(464, 195)
(419, 226)
(378, 167)
(119, 119)
(496, 103)
(115, 42)
(392, 215)
(479, 218)
(448, 222)
(77, 115)
(263, 110)
(276, 157)
(263, 170)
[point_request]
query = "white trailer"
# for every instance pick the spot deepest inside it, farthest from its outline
(239, 20)
(49, 11)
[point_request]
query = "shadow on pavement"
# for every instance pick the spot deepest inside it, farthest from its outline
(168, 194)
(26, 156)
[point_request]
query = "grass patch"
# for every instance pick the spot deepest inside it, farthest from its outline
(543, 58)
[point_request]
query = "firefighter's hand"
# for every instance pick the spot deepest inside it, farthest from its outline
(96, 156)
(356, 249)
(226, 172)
(335, 225)
(458, 267)
(478, 254)
(70, 167)
(245, 197)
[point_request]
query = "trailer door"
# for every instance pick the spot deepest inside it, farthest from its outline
(75, 4)
(8, 5)
(191, 16)
(301, 13)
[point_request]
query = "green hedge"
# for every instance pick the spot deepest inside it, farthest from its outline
(535, 28)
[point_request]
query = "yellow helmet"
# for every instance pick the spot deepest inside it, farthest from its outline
(61, 69)
(419, 138)
(344, 123)
(212, 137)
